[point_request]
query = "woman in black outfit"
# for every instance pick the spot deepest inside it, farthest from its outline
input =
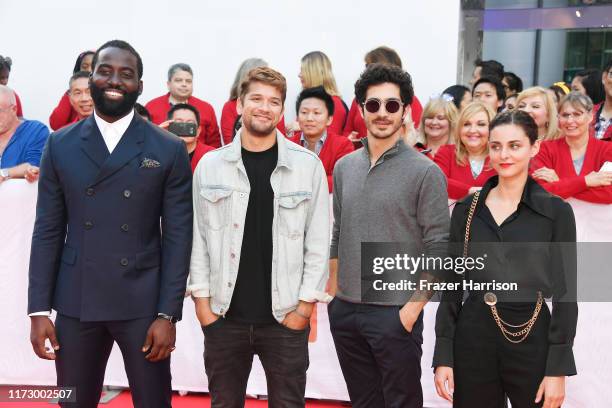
(508, 343)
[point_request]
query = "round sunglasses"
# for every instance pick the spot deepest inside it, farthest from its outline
(373, 105)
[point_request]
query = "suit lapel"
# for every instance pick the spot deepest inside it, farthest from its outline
(93, 143)
(128, 147)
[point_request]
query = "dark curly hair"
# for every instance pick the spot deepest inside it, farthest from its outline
(518, 118)
(376, 74)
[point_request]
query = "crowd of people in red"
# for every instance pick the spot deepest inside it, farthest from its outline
(451, 129)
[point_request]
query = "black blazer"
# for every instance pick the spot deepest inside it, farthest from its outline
(536, 247)
(97, 248)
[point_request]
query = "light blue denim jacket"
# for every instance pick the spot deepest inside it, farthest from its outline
(300, 227)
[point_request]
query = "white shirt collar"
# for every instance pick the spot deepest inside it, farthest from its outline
(113, 132)
(119, 126)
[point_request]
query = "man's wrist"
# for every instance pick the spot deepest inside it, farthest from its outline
(169, 318)
(303, 316)
(412, 309)
(304, 309)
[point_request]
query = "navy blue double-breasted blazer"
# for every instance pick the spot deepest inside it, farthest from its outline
(98, 251)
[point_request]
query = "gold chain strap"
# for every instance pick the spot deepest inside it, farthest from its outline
(523, 333)
(529, 323)
(469, 223)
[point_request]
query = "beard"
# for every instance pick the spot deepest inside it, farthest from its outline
(256, 129)
(117, 108)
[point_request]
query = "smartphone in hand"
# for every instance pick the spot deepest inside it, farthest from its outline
(183, 129)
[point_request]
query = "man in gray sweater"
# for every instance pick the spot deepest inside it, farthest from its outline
(385, 192)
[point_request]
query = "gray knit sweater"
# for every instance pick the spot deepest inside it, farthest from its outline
(402, 198)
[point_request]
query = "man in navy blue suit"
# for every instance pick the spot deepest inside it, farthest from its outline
(109, 185)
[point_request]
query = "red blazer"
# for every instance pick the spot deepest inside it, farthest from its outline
(596, 110)
(63, 114)
(228, 118)
(18, 105)
(200, 150)
(355, 122)
(334, 148)
(460, 178)
(555, 154)
(159, 107)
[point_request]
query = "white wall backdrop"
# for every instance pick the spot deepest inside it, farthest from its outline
(44, 37)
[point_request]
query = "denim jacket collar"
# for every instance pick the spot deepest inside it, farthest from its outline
(233, 153)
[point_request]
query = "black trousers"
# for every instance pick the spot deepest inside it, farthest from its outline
(229, 348)
(380, 360)
(487, 366)
(84, 351)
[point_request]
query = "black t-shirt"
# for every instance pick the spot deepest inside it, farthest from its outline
(191, 156)
(252, 298)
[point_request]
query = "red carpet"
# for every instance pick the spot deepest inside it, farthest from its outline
(124, 400)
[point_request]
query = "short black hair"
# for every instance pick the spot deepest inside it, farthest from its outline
(591, 80)
(499, 88)
(142, 111)
(608, 66)
(79, 60)
(182, 106)
(491, 68)
(514, 82)
(315, 92)
(457, 92)
(519, 118)
(6, 62)
(376, 74)
(121, 45)
(77, 75)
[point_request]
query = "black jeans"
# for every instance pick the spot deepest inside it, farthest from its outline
(487, 366)
(380, 360)
(229, 348)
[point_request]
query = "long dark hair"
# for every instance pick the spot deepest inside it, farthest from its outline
(457, 92)
(591, 80)
(79, 60)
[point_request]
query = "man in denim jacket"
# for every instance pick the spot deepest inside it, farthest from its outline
(260, 250)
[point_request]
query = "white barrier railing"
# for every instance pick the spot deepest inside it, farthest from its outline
(19, 365)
